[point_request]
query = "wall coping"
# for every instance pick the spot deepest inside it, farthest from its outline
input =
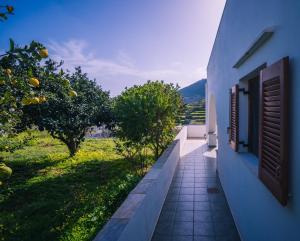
(132, 212)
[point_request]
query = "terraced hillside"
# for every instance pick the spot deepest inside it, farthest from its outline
(194, 113)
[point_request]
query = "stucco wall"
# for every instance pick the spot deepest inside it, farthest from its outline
(258, 215)
(196, 131)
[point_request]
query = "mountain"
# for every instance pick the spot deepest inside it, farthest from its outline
(194, 92)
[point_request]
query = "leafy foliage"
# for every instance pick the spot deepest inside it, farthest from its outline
(18, 66)
(51, 196)
(146, 115)
(5, 11)
(67, 116)
(21, 80)
(15, 142)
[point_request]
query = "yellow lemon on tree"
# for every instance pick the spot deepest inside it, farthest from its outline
(8, 71)
(35, 100)
(14, 82)
(5, 171)
(42, 99)
(66, 82)
(73, 93)
(26, 101)
(43, 53)
(10, 9)
(34, 81)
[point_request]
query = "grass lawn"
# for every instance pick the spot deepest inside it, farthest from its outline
(53, 197)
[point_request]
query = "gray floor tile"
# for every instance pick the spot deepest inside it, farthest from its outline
(170, 206)
(201, 198)
(200, 190)
(186, 198)
(231, 237)
(188, 184)
(201, 184)
(203, 229)
(187, 190)
(188, 179)
(188, 206)
(172, 198)
(164, 228)
(202, 206)
(158, 237)
(167, 215)
(184, 215)
(174, 190)
(183, 228)
(183, 238)
(204, 238)
(203, 216)
(190, 212)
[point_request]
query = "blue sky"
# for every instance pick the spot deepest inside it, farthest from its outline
(121, 42)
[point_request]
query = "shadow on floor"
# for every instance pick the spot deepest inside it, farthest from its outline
(195, 208)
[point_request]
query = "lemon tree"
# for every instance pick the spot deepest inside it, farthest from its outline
(18, 82)
(24, 73)
(67, 115)
(16, 85)
(24, 76)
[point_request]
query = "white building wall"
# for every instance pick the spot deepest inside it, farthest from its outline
(258, 215)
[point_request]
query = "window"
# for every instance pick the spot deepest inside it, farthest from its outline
(260, 101)
(253, 115)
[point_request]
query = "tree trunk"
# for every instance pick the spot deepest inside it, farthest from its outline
(73, 147)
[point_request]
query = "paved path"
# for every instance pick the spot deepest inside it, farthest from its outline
(195, 208)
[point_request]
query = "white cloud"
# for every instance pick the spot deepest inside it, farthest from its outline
(120, 72)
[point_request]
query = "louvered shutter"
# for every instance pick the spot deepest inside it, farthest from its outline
(273, 169)
(234, 117)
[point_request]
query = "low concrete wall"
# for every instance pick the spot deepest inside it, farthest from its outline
(136, 218)
(196, 131)
(182, 136)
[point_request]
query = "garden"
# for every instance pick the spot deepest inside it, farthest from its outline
(55, 183)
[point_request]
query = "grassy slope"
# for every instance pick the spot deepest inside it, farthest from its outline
(53, 197)
(194, 113)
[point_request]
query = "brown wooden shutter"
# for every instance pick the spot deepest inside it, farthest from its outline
(234, 117)
(273, 169)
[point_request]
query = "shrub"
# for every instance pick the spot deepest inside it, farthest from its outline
(146, 115)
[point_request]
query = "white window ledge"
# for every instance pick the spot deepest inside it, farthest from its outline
(251, 161)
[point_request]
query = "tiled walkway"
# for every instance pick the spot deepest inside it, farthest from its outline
(195, 208)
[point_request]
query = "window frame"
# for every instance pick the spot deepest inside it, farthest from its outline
(251, 75)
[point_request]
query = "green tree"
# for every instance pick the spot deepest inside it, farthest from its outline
(5, 11)
(20, 82)
(146, 115)
(67, 116)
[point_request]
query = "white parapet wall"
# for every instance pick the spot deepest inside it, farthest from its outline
(196, 131)
(136, 218)
(182, 136)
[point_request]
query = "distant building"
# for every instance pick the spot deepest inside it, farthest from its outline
(254, 111)
(98, 132)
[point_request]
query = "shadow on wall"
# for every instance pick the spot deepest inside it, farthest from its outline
(212, 122)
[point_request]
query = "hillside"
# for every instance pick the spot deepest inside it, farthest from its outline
(194, 92)
(193, 114)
